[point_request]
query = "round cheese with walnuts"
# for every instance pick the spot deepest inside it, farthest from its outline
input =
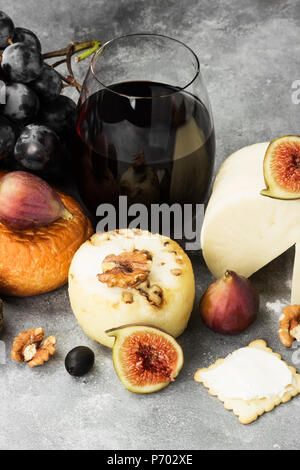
(131, 276)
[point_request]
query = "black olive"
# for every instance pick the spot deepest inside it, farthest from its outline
(79, 361)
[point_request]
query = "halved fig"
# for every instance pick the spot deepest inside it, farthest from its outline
(146, 359)
(282, 168)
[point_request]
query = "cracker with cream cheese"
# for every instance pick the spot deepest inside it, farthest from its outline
(223, 382)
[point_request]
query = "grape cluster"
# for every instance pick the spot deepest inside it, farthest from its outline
(35, 119)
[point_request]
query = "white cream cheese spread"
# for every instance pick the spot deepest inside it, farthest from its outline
(249, 373)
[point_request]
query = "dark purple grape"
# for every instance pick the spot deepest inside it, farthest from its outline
(48, 85)
(21, 63)
(7, 137)
(6, 29)
(27, 37)
(59, 115)
(37, 147)
(21, 103)
(2, 78)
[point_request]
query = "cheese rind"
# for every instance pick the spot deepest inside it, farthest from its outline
(99, 307)
(243, 230)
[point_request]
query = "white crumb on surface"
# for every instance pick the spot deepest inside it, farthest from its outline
(275, 308)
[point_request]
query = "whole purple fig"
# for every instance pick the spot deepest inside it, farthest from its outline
(27, 201)
(230, 304)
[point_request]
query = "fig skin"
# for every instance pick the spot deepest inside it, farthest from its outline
(27, 202)
(121, 334)
(230, 304)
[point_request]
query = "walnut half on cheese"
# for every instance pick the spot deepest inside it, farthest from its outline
(131, 276)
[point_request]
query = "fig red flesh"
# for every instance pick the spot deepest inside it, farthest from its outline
(146, 358)
(155, 358)
(286, 165)
(282, 168)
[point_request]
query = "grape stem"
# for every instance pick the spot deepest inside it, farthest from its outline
(88, 48)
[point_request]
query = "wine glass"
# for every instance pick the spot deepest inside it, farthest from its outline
(145, 125)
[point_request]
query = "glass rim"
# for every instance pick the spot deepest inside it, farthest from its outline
(108, 87)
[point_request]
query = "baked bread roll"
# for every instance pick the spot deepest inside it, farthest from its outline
(35, 261)
(131, 276)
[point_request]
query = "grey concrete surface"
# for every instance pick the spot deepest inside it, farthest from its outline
(249, 53)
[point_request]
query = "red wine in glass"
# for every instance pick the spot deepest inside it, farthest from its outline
(148, 140)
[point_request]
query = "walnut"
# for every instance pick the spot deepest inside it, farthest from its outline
(30, 352)
(44, 353)
(129, 269)
(27, 347)
(145, 252)
(127, 297)
(176, 272)
(290, 325)
(153, 293)
(32, 337)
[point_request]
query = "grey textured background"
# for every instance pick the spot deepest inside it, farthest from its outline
(249, 53)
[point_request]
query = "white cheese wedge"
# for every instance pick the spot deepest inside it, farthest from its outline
(249, 374)
(243, 230)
